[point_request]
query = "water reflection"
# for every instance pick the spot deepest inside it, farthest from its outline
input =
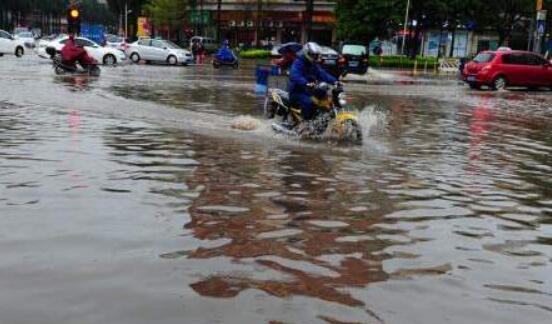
(453, 221)
(76, 83)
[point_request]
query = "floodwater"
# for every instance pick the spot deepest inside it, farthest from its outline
(130, 199)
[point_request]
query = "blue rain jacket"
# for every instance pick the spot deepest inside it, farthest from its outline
(303, 72)
(225, 54)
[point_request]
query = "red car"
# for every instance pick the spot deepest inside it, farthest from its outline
(500, 69)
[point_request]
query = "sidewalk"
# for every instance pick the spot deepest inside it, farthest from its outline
(392, 76)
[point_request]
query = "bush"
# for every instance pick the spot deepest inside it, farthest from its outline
(402, 62)
(254, 54)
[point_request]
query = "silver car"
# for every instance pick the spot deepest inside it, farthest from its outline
(158, 50)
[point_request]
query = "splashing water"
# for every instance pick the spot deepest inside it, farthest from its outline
(246, 123)
(373, 120)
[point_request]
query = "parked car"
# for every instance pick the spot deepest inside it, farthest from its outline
(117, 42)
(42, 43)
(28, 38)
(329, 60)
(210, 44)
(158, 50)
(501, 69)
(11, 45)
(354, 58)
(105, 55)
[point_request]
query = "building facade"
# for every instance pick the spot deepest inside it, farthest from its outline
(277, 21)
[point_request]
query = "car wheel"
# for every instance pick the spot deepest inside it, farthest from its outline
(475, 86)
(1, 54)
(500, 83)
(19, 51)
(172, 60)
(109, 59)
(135, 58)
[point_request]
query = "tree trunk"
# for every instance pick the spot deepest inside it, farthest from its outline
(451, 53)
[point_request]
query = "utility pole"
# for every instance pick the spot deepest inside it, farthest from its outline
(309, 14)
(120, 23)
(219, 4)
(258, 23)
(405, 25)
(126, 20)
(201, 17)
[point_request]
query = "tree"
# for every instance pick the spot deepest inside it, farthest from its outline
(506, 16)
(364, 20)
(167, 13)
(135, 6)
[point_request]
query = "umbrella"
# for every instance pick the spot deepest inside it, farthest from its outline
(290, 47)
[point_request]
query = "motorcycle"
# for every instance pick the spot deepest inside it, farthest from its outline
(217, 62)
(62, 68)
(333, 117)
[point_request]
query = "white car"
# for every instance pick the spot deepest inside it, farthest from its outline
(105, 55)
(117, 42)
(27, 37)
(157, 50)
(11, 45)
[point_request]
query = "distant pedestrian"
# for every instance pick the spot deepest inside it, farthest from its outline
(194, 50)
(201, 52)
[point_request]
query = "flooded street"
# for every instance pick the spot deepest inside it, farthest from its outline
(130, 199)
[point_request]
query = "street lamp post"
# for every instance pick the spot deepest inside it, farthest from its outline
(405, 25)
(126, 19)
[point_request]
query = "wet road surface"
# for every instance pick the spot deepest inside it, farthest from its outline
(130, 199)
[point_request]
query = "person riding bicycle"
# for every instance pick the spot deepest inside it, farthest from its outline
(304, 74)
(71, 53)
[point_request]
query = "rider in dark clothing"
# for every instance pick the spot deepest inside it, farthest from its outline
(304, 73)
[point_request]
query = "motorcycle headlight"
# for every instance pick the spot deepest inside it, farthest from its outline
(342, 99)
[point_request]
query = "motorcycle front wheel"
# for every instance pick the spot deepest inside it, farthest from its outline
(351, 132)
(59, 70)
(95, 71)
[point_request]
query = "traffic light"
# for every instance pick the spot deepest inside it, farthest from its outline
(73, 20)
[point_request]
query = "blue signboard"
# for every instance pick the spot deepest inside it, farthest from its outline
(541, 27)
(93, 32)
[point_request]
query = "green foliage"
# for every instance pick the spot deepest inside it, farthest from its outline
(168, 13)
(402, 62)
(254, 54)
(364, 20)
(13, 12)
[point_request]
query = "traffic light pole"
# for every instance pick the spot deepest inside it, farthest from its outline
(310, 13)
(405, 26)
(126, 20)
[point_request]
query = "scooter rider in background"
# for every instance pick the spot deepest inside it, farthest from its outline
(303, 76)
(71, 53)
(225, 54)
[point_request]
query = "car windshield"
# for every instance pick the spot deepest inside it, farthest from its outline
(354, 50)
(26, 35)
(172, 45)
(114, 39)
(484, 58)
(328, 51)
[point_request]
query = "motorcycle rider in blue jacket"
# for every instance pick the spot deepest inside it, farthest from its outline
(225, 54)
(304, 74)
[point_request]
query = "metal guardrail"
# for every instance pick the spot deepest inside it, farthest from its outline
(449, 65)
